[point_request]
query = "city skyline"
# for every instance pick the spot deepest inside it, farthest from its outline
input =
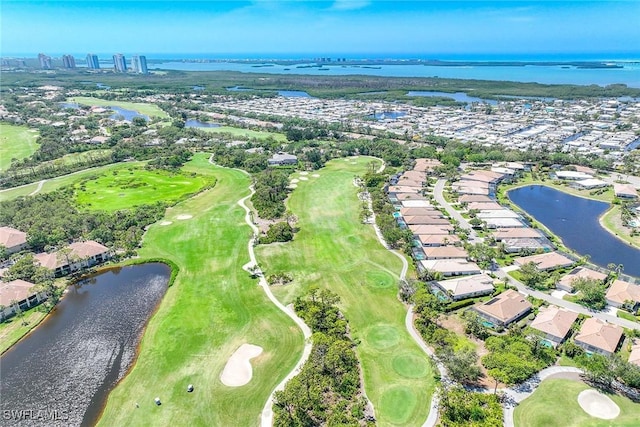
(340, 27)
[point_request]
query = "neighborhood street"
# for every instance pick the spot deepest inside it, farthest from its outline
(437, 193)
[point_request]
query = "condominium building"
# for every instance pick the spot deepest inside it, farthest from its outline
(45, 61)
(68, 61)
(139, 64)
(119, 63)
(92, 62)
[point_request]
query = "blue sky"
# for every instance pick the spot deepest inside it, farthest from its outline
(376, 28)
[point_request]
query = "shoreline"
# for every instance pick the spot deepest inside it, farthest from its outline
(559, 188)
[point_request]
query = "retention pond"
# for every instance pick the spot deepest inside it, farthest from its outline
(576, 221)
(61, 373)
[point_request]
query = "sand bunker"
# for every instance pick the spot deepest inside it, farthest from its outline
(304, 178)
(294, 180)
(166, 223)
(598, 405)
(304, 173)
(316, 175)
(292, 186)
(238, 371)
(184, 216)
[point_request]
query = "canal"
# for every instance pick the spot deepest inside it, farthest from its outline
(61, 373)
(575, 220)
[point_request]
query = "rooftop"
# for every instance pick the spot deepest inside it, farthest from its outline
(505, 306)
(600, 334)
(554, 321)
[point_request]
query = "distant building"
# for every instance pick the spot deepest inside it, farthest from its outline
(92, 62)
(281, 158)
(45, 61)
(68, 61)
(119, 63)
(139, 64)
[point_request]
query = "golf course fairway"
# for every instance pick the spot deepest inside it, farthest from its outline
(16, 142)
(334, 250)
(212, 308)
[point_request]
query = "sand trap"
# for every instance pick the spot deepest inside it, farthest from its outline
(304, 173)
(238, 371)
(598, 405)
(294, 180)
(316, 175)
(166, 223)
(304, 178)
(184, 216)
(292, 186)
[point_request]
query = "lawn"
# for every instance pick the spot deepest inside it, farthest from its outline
(555, 403)
(146, 109)
(13, 329)
(212, 308)
(248, 133)
(16, 142)
(334, 250)
(134, 185)
(612, 221)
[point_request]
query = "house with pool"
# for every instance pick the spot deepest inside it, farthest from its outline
(598, 336)
(504, 309)
(554, 323)
(466, 287)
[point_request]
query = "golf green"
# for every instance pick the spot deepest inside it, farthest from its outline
(334, 250)
(210, 310)
(555, 403)
(410, 365)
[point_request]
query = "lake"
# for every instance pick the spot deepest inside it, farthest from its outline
(193, 123)
(457, 96)
(575, 221)
(75, 357)
(548, 74)
(294, 94)
(126, 114)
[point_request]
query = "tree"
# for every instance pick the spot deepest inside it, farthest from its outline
(474, 326)
(462, 408)
(591, 293)
(532, 277)
(482, 254)
(461, 365)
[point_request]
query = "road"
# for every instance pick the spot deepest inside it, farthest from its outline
(567, 304)
(462, 222)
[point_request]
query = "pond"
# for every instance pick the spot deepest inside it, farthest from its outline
(575, 220)
(294, 94)
(128, 115)
(239, 89)
(193, 123)
(387, 115)
(70, 362)
(457, 96)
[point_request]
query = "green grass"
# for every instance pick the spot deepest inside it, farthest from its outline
(626, 315)
(13, 329)
(16, 142)
(135, 186)
(62, 181)
(212, 308)
(248, 133)
(146, 109)
(555, 403)
(612, 221)
(334, 250)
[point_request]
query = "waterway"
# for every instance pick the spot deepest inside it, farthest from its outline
(457, 96)
(629, 74)
(74, 358)
(575, 221)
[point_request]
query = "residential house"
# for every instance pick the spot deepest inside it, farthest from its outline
(621, 292)
(597, 336)
(18, 293)
(625, 191)
(555, 323)
(281, 159)
(445, 252)
(505, 308)
(566, 283)
(470, 198)
(430, 240)
(431, 229)
(13, 240)
(634, 356)
(545, 262)
(466, 287)
(425, 220)
(450, 267)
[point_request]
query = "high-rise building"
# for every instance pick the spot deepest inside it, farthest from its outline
(68, 61)
(92, 62)
(119, 63)
(45, 61)
(139, 64)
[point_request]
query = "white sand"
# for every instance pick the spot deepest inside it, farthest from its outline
(304, 178)
(304, 173)
(238, 371)
(598, 405)
(184, 216)
(292, 186)
(166, 223)
(316, 175)
(294, 180)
